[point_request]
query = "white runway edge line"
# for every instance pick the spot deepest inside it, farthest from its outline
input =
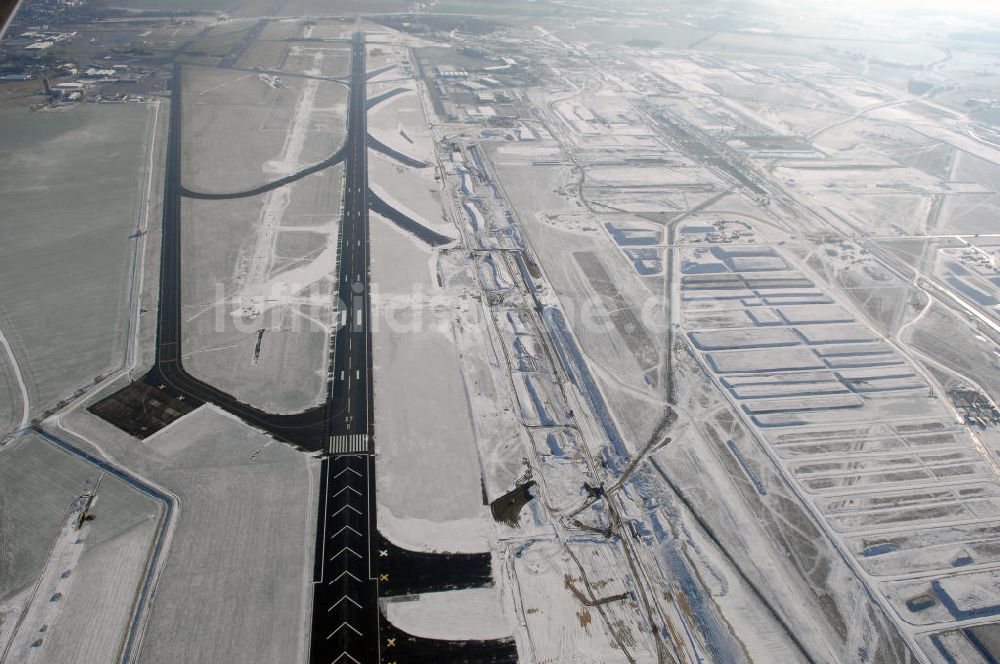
(26, 406)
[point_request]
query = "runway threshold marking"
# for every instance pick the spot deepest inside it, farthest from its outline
(351, 443)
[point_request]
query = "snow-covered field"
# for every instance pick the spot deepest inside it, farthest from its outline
(258, 290)
(699, 346)
(66, 254)
(428, 469)
(243, 129)
(243, 539)
(67, 592)
(475, 613)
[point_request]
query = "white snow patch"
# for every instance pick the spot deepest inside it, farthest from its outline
(396, 203)
(475, 613)
(468, 535)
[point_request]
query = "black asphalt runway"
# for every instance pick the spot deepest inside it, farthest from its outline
(345, 598)
(350, 411)
(345, 622)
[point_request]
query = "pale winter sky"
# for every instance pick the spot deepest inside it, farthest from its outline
(982, 7)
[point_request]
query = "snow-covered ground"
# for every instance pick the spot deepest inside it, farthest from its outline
(428, 470)
(258, 269)
(243, 540)
(67, 592)
(687, 370)
(475, 613)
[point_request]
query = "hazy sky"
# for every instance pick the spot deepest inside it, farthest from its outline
(986, 7)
